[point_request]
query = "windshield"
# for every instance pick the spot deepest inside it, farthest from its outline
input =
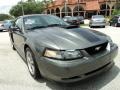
(98, 16)
(72, 18)
(41, 21)
(80, 17)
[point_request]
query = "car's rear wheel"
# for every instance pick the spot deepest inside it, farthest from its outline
(32, 66)
(109, 24)
(116, 25)
(13, 47)
(90, 26)
(103, 26)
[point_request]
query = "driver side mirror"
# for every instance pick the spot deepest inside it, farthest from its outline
(2, 25)
(14, 28)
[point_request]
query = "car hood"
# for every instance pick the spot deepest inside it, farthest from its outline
(77, 38)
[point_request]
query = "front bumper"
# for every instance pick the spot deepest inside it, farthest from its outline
(97, 24)
(118, 24)
(75, 70)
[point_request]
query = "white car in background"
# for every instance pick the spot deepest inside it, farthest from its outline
(1, 27)
(6, 24)
(97, 20)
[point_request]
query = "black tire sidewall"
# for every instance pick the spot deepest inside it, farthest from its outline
(36, 74)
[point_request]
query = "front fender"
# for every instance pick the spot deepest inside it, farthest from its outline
(35, 47)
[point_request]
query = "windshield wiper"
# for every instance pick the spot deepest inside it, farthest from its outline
(36, 27)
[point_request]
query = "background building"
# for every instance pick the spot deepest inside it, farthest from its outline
(85, 8)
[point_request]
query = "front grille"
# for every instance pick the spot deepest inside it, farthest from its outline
(96, 49)
(98, 69)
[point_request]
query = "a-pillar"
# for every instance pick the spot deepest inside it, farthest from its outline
(84, 14)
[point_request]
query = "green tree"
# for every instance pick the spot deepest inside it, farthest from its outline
(31, 0)
(29, 8)
(116, 12)
(5, 16)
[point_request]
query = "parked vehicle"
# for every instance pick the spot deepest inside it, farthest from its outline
(1, 28)
(115, 21)
(6, 24)
(71, 20)
(56, 50)
(97, 20)
(81, 19)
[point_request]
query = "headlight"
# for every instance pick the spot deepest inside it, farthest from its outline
(53, 54)
(67, 54)
(110, 44)
(110, 41)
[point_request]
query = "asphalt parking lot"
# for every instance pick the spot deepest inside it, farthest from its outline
(15, 76)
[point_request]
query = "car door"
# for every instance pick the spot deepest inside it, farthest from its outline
(18, 35)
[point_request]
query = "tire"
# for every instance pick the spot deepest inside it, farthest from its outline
(31, 64)
(90, 26)
(110, 24)
(103, 26)
(13, 47)
(116, 25)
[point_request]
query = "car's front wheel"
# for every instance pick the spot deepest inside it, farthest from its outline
(32, 66)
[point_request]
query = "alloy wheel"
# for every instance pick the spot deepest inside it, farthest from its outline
(30, 62)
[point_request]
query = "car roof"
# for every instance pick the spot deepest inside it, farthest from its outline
(97, 15)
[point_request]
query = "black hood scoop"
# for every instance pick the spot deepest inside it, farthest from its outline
(70, 26)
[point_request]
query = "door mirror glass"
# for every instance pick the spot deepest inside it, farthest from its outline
(65, 20)
(14, 28)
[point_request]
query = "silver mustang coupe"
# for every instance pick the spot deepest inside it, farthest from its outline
(59, 51)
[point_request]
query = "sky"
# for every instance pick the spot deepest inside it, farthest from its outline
(5, 5)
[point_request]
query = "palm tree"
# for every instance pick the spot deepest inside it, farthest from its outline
(117, 4)
(46, 3)
(51, 1)
(66, 11)
(78, 6)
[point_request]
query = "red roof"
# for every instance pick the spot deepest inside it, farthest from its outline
(61, 2)
(92, 5)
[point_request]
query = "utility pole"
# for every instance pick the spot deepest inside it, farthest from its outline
(66, 11)
(78, 7)
(22, 7)
(106, 7)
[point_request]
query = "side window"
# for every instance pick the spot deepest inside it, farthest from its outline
(18, 23)
(116, 19)
(112, 19)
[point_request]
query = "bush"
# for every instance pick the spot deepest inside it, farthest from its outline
(116, 12)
